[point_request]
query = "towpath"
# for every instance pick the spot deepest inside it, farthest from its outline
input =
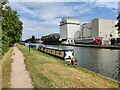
(20, 77)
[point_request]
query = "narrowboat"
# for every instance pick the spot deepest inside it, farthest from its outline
(67, 55)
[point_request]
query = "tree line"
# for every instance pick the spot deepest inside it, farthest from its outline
(32, 39)
(11, 27)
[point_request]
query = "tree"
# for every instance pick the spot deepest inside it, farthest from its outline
(33, 39)
(2, 2)
(11, 27)
(118, 24)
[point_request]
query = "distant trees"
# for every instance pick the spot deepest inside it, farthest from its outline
(11, 28)
(33, 39)
(51, 39)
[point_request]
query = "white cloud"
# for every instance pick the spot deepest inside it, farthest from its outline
(107, 0)
(107, 4)
(63, 0)
(101, 3)
(51, 0)
(36, 28)
(44, 18)
(53, 10)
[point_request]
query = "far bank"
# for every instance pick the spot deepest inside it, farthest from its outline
(93, 46)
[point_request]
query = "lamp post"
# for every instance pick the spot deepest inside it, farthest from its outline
(29, 45)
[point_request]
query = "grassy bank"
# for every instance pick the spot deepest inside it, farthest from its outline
(49, 72)
(0, 73)
(6, 69)
(93, 46)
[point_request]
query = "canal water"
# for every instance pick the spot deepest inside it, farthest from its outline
(103, 61)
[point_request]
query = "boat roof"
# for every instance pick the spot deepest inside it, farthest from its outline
(54, 48)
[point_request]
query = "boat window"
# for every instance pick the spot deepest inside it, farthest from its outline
(59, 53)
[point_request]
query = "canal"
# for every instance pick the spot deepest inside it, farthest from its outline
(103, 61)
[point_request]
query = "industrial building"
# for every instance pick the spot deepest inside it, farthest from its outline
(86, 30)
(118, 14)
(99, 28)
(119, 7)
(69, 29)
(103, 28)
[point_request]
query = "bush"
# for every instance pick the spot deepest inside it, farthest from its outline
(5, 48)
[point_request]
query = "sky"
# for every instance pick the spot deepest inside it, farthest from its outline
(41, 18)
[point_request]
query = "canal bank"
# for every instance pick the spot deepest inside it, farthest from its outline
(93, 46)
(6, 63)
(49, 72)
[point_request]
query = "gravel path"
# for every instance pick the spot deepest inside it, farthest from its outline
(20, 77)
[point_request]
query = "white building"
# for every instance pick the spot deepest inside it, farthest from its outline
(69, 29)
(86, 30)
(119, 7)
(118, 14)
(103, 28)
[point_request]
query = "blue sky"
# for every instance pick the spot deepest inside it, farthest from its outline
(43, 18)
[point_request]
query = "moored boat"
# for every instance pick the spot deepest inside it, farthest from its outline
(67, 55)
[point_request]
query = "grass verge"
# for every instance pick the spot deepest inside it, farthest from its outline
(0, 73)
(49, 72)
(6, 69)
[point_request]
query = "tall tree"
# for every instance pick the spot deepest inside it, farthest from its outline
(2, 2)
(11, 27)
